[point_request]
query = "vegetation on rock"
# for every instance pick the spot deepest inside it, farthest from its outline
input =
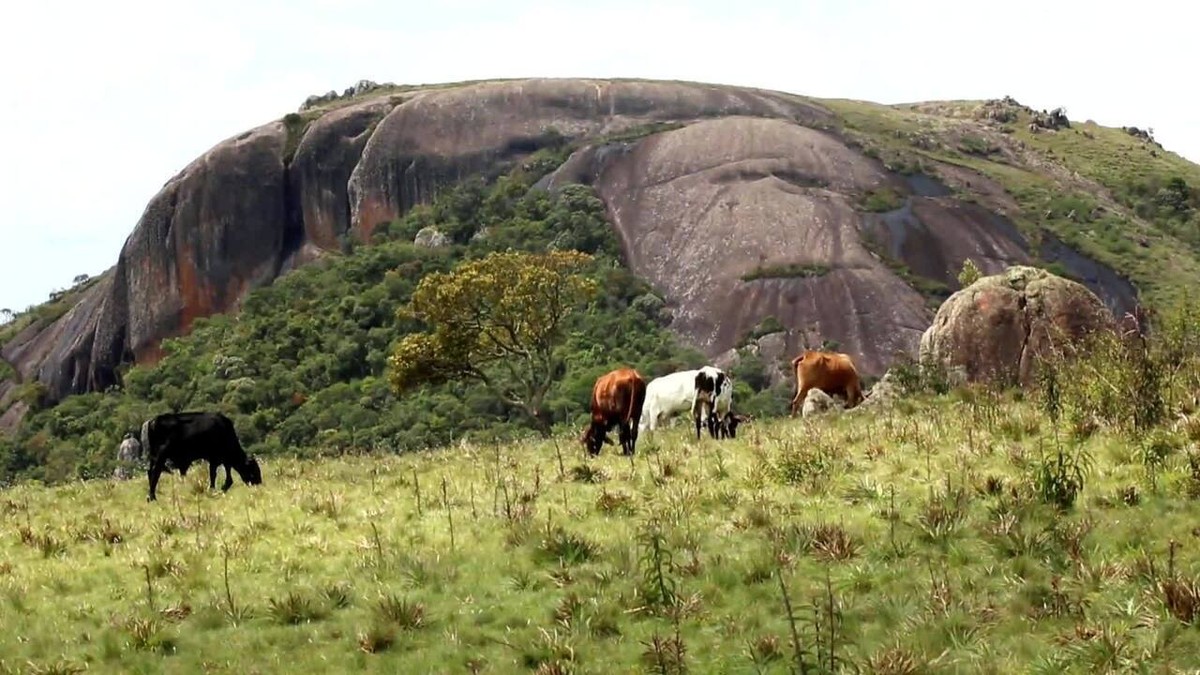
(788, 271)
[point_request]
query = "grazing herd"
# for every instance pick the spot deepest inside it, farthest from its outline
(620, 398)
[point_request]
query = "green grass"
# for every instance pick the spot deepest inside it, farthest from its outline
(881, 200)
(926, 522)
(788, 271)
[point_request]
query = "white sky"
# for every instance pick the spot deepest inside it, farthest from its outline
(102, 102)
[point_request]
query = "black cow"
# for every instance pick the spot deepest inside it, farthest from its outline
(176, 440)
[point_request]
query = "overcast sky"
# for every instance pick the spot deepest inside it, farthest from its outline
(102, 102)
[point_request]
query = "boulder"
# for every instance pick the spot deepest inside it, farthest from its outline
(884, 393)
(817, 402)
(431, 237)
(994, 329)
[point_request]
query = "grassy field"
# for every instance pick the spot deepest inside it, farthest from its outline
(920, 539)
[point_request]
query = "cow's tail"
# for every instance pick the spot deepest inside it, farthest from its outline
(145, 438)
(635, 405)
(633, 399)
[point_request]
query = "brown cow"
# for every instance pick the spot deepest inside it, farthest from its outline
(831, 372)
(617, 399)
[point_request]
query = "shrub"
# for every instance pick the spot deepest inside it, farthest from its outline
(788, 271)
(881, 200)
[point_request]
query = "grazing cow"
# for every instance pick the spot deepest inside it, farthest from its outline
(689, 390)
(668, 395)
(712, 400)
(176, 440)
(831, 372)
(617, 399)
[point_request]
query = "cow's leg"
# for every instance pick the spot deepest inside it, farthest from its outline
(228, 480)
(212, 475)
(156, 469)
(801, 394)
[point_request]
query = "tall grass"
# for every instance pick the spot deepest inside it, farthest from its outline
(953, 533)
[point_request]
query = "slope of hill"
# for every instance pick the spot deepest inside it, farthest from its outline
(916, 541)
(719, 194)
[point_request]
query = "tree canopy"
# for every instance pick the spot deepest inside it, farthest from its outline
(499, 320)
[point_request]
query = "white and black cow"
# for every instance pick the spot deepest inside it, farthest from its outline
(713, 399)
(707, 392)
(176, 440)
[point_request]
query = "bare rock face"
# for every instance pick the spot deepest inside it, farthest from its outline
(704, 208)
(319, 174)
(748, 181)
(995, 329)
(439, 136)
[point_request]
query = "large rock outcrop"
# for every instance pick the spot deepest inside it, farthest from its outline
(749, 181)
(996, 328)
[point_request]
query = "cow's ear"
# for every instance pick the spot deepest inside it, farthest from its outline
(609, 440)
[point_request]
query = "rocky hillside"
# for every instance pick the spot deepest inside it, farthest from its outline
(822, 220)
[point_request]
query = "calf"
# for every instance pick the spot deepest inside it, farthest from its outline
(176, 440)
(730, 422)
(831, 372)
(617, 399)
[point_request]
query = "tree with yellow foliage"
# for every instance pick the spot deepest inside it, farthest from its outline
(498, 320)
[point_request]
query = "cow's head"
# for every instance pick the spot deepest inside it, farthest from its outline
(594, 438)
(250, 472)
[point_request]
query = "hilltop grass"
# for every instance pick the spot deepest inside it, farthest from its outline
(1096, 195)
(48, 312)
(920, 532)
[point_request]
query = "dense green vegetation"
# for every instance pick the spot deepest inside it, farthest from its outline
(302, 368)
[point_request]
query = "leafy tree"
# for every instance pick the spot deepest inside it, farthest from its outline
(498, 320)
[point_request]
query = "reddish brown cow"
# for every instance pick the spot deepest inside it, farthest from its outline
(617, 399)
(831, 372)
